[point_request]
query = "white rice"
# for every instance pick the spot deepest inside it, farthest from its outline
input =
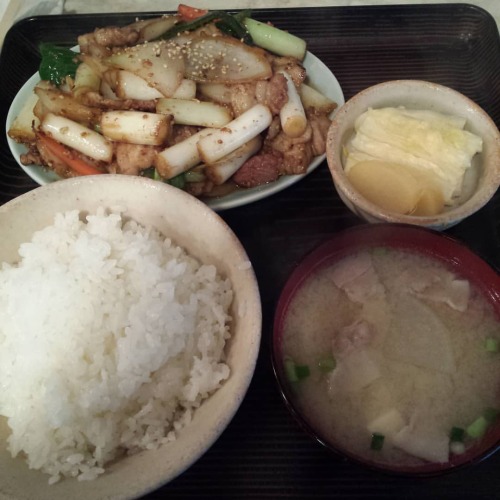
(110, 337)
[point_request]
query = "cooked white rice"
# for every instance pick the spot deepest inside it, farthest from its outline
(110, 337)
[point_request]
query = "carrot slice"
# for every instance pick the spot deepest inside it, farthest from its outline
(188, 13)
(79, 166)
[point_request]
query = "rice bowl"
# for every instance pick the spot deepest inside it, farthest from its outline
(180, 217)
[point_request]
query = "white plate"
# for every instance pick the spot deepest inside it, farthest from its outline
(320, 77)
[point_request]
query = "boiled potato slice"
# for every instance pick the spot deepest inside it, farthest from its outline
(387, 185)
(397, 188)
(431, 202)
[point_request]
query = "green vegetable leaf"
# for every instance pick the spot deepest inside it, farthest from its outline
(57, 63)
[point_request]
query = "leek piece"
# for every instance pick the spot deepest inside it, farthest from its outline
(57, 63)
(377, 442)
(492, 345)
(275, 40)
(302, 371)
(326, 365)
(194, 175)
(294, 372)
(227, 23)
(290, 373)
(179, 181)
(457, 434)
(478, 427)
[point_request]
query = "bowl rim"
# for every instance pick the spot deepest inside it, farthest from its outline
(345, 243)
(450, 216)
(238, 384)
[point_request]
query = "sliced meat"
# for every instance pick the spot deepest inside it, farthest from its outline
(357, 277)
(260, 169)
(273, 92)
(297, 152)
(274, 129)
(114, 36)
(99, 42)
(320, 124)
(292, 66)
(94, 99)
(32, 157)
(242, 97)
(352, 337)
(132, 158)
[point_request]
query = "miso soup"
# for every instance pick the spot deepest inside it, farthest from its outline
(393, 358)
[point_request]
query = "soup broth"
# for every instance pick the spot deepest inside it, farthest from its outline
(398, 351)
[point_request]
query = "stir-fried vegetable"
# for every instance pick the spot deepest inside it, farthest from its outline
(165, 99)
(57, 63)
(196, 18)
(275, 40)
(77, 165)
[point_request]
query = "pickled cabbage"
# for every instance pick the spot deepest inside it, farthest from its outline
(422, 140)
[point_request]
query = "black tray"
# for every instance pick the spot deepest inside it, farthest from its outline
(263, 454)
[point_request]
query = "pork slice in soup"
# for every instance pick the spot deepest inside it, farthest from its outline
(393, 357)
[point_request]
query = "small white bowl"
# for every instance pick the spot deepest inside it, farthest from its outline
(482, 180)
(197, 228)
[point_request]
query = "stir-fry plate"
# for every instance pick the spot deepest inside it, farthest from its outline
(319, 76)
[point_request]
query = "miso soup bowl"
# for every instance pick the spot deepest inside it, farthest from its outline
(454, 255)
(205, 236)
(482, 179)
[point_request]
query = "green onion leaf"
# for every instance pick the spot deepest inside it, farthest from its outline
(57, 63)
(194, 175)
(227, 23)
(326, 365)
(492, 345)
(302, 371)
(478, 428)
(179, 181)
(294, 372)
(377, 442)
(457, 434)
(290, 373)
(148, 172)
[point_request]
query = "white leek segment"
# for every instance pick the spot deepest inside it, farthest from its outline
(275, 40)
(225, 140)
(194, 112)
(185, 90)
(225, 60)
(218, 92)
(181, 156)
(135, 127)
(86, 80)
(77, 136)
(131, 86)
(151, 29)
(292, 115)
(220, 171)
(159, 63)
(312, 98)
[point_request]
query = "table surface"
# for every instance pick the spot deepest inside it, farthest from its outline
(12, 10)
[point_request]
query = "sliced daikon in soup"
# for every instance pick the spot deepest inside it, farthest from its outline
(418, 336)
